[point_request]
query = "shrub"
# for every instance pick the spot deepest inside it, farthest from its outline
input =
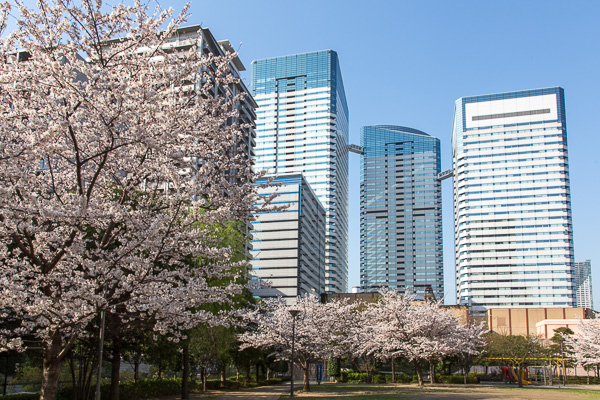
(357, 377)
(490, 377)
(142, 389)
(21, 396)
(459, 379)
(378, 378)
(333, 367)
(400, 378)
(344, 376)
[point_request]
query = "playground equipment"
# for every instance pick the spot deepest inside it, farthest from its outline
(511, 374)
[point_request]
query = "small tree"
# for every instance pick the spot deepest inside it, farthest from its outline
(468, 344)
(584, 346)
(515, 349)
(315, 327)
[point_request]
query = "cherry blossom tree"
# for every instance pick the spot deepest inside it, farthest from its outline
(317, 325)
(117, 165)
(421, 332)
(584, 345)
(468, 343)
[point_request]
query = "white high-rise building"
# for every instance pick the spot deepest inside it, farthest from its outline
(302, 127)
(512, 201)
(288, 246)
(583, 284)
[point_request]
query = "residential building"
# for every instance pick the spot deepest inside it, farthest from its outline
(302, 127)
(185, 38)
(400, 211)
(583, 284)
(512, 200)
(289, 244)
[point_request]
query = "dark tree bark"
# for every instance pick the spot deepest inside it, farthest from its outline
(432, 371)
(136, 370)
(306, 370)
(185, 375)
(5, 384)
(115, 372)
(51, 366)
(419, 373)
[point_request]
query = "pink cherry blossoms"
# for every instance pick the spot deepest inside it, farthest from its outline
(118, 163)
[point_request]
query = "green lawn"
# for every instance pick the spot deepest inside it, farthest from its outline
(442, 392)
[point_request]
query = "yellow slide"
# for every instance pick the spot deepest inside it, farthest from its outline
(514, 372)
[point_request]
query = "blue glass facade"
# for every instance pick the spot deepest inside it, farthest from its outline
(512, 201)
(302, 127)
(400, 211)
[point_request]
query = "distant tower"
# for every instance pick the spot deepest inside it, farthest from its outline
(583, 284)
(302, 127)
(400, 211)
(512, 200)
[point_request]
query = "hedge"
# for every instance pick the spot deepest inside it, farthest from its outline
(149, 388)
(458, 379)
(21, 396)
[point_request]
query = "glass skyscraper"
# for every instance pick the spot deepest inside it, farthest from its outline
(302, 127)
(400, 211)
(512, 200)
(583, 284)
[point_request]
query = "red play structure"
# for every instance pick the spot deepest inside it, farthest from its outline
(510, 375)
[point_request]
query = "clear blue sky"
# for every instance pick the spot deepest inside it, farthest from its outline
(405, 63)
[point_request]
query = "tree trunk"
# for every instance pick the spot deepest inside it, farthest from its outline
(136, 369)
(419, 374)
(465, 373)
(5, 384)
(237, 373)
(393, 369)
(520, 375)
(222, 376)
(257, 367)
(203, 377)
(588, 375)
(185, 375)
(50, 366)
(115, 370)
(432, 371)
(306, 369)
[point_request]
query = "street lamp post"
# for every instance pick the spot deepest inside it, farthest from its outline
(293, 313)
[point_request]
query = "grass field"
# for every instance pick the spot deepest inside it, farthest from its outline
(443, 392)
